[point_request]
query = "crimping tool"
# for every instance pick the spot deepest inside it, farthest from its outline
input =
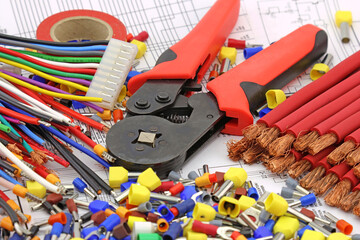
(164, 126)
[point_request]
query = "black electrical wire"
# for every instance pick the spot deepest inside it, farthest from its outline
(49, 50)
(71, 158)
(12, 214)
(8, 167)
(4, 142)
(14, 137)
(10, 100)
(67, 44)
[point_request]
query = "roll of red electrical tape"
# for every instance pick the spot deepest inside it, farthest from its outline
(80, 25)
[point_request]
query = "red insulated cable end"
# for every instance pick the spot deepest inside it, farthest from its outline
(71, 205)
(59, 217)
(54, 198)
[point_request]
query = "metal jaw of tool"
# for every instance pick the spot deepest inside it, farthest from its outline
(144, 141)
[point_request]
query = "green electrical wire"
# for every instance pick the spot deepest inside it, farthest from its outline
(4, 128)
(24, 143)
(61, 59)
(45, 69)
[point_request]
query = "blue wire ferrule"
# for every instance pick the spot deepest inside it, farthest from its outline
(187, 192)
(261, 232)
(270, 224)
(56, 229)
(174, 231)
(67, 226)
(308, 199)
(79, 184)
(253, 193)
(165, 212)
(98, 205)
(184, 207)
(264, 111)
(90, 230)
(301, 231)
(249, 52)
(110, 222)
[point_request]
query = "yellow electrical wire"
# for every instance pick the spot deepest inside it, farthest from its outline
(47, 92)
(44, 75)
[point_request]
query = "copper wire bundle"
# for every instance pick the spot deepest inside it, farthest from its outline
(303, 141)
(322, 142)
(236, 148)
(338, 193)
(252, 153)
(281, 145)
(312, 177)
(341, 152)
(297, 168)
(280, 164)
(324, 184)
(353, 158)
(350, 201)
(356, 210)
(267, 136)
(253, 131)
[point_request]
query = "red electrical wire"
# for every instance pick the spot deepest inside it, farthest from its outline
(19, 116)
(82, 136)
(72, 113)
(29, 92)
(35, 146)
(59, 68)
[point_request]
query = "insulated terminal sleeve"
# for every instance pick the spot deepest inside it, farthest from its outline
(328, 111)
(354, 136)
(324, 163)
(272, 68)
(314, 159)
(349, 110)
(339, 170)
(208, 229)
(345, 127)
(331, 94)
(307, 93)
(356, 188)
(351, 177)
(193, 54)
(298, 155)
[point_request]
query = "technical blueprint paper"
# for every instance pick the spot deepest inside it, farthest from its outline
(167, 21)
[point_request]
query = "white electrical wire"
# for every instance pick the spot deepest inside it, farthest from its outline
(47, 110)
(65, 64)
(28, 171)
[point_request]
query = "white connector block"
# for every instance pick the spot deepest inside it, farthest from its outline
(111, 73)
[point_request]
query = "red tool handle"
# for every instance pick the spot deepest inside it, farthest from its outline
(197, 49)
(354, 136)
(345, 127)
(329, 114)
(314, 159)
(241, 90)
(331, 94)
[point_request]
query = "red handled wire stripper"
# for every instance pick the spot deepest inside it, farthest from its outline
(164, 127)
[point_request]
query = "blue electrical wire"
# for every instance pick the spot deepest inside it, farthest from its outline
(84, 48)
(76, 145)
(12, 107)
(32, 135)
(8, 178)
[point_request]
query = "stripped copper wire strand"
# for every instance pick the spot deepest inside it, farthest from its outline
(281, 145)
(251, 132)
(341, 152)
(324, 184)
(267, 136)
(353, 157)
(322, 142)
(357, 171)
(303, 141)
(236, 148)
(298, 168)
(312, 177)
(350, 201)
(252, 153)
(335, 196)
(14, 148)
(280, 164)
(356, 210)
